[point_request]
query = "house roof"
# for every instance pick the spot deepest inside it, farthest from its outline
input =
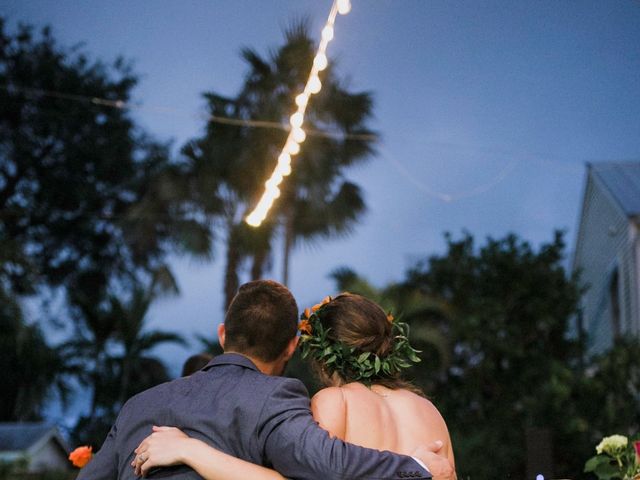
(22, 436)
(622, 180)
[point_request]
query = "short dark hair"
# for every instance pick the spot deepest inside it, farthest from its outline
(196, 362)
(261, 320)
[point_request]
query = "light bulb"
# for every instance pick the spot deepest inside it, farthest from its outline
(296, 119)
(299, 136)
(302, 99)
(284, 158)
(344, 7)
(252, 220)
(284, 169)
(327, 33)
(320, 62)
(292, 148)
(314, 85)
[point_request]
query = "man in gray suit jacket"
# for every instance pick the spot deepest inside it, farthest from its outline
(239, 404)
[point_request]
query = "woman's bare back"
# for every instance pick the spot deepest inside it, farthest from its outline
(380, 418)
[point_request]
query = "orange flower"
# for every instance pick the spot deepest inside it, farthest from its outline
(81, 456)
(390, 317)
(307, 312)
(305, 327)
(325, 300)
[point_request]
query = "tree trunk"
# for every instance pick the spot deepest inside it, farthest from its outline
(231, 281)
(259, 260)
(124, 381)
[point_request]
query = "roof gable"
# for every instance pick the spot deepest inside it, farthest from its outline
(622, 181)
(23, 436)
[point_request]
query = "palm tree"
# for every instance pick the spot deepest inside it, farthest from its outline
(231, 162)
(91, 344)
(32, 368)
(111, 350)
(137, 343)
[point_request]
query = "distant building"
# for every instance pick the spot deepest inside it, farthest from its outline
(38, 445)
(607, 253)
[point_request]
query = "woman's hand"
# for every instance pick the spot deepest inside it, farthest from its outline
(168, 446)
(164, 447)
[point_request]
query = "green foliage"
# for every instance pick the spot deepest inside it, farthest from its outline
(612, 381)
(616, 459)
(512, 362)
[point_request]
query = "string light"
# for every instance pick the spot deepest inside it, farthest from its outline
(296, 134)
(344, 7)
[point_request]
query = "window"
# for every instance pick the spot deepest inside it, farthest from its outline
(614, 296)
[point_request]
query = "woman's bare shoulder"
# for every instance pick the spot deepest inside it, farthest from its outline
(329, 410)
(431, 420)
(422, 404)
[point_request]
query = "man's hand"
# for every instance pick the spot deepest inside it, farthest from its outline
(437, 464)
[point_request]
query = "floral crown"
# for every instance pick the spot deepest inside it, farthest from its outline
(335, 356)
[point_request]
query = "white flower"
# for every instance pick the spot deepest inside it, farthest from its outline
(612, 445)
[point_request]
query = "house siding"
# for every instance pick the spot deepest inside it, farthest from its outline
(606, 244)
(49, 457)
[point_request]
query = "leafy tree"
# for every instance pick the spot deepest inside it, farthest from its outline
(612, 381)
(317, 201)
(86, 197)
(512, 363)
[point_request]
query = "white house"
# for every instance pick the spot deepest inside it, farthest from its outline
(607, 253)
(38, 445)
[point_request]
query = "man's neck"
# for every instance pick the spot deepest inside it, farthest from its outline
(268, 368)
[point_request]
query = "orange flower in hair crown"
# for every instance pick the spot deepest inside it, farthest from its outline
(317, 306)
(305, 326)
(81, 456)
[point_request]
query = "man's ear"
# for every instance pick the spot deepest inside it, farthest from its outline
(291, 347)
(221, 335)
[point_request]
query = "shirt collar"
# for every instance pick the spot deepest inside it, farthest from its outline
(231, 359)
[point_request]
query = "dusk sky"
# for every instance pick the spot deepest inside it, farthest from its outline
(487, 110)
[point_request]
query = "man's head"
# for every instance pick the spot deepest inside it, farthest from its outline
(262, 322)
